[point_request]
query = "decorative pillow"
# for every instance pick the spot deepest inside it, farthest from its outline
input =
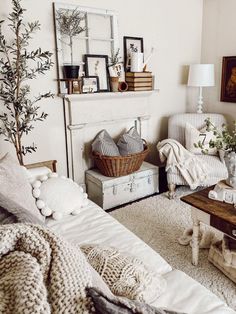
(6, 217)
(125, 275)
(107, 304)
(16, 192)
(130, 143)
(193, 136)
(58, 196)
(105, 145)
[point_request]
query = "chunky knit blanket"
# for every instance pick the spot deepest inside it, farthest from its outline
(40, 273)
(125, 275)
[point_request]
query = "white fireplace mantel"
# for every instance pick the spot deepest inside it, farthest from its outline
(86, 114)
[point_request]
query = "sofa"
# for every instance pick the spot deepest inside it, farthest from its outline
(94, 226)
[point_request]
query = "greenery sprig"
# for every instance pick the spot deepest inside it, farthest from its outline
(18, 64)
(69, 23)
(224, 139)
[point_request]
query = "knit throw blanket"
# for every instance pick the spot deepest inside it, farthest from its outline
(193, 170)
(40, 273)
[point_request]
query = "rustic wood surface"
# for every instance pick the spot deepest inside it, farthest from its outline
(218, 210)
(51, 164)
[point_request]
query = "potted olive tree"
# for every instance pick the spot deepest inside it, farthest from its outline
(69, 24)
(18, 65)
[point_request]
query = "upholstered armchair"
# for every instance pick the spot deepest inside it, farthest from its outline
(176, 130)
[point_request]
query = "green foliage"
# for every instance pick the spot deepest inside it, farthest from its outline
(225, 140)
(115, 58)
(18, 65)
(69, 24)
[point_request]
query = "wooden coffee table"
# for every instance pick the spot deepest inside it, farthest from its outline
(219, 215)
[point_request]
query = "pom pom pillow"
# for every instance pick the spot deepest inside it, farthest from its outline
(58, 196)
(193, 136)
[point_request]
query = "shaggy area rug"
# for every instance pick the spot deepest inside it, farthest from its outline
(159, 222)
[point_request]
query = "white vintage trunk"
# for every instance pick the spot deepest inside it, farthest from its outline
(109, 192)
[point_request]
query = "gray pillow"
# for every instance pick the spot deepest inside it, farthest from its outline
(130, 143)
(105, 304)
(105, 145)
(18, 213)
(16, 192)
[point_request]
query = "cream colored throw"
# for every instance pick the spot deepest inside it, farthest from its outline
(40, 273)
(193, 170)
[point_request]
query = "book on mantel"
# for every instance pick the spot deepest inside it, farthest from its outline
(138, 74)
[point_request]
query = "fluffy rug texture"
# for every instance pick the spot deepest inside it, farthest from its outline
(159, 222)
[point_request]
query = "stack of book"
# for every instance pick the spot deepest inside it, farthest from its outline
(139, 81)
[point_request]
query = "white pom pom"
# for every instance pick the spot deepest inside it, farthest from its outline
(46, 211)
(76, 212)
(69, 179)
(85, 203)
(36, 184)
(53, 175)
(57, 216)
(81, 189)
(40, 204)
(85, 195)
(36, 193)
(43, 178)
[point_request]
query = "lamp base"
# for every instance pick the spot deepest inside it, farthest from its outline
(200, 101)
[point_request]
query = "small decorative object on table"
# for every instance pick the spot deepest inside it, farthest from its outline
(69, 23)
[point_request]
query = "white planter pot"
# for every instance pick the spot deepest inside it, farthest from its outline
(230, 162)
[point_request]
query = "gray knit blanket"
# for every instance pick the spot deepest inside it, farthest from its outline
(40, 273)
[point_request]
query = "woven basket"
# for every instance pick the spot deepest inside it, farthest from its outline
(117, 166)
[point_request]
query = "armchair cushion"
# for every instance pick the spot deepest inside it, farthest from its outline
(193, 136)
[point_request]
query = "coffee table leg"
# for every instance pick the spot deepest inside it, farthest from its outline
(195, 240)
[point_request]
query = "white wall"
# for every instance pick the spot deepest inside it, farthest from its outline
(218, 40)
(172, 27)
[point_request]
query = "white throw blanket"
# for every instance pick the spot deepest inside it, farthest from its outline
(176, 156)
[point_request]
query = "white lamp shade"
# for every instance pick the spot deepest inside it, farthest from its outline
(201, 75)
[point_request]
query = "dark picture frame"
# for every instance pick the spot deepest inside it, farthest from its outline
(138, 46)
(84, 83)
(97, 65)
(228, 79)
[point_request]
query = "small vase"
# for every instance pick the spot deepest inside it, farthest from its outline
(114, 84)
(230, 162)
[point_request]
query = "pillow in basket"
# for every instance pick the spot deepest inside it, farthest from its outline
(193, 136)
(58, 196)
(105, 145)
(130, 143)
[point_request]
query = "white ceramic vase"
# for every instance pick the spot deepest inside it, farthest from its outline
(230, 162)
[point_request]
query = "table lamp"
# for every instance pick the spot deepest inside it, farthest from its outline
(201, 75)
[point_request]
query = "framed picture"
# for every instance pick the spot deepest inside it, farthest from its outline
(228, 80)
(97, 65)
(90, 84)
(76, 86)
(131, 44)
